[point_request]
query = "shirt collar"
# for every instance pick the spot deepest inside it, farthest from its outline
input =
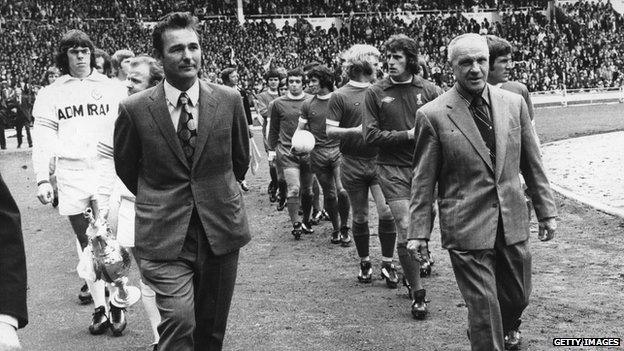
(388, 82)
(485, 94)
(173, 94)
(359, 84)
(95, 76)
(324, 97)
(292, 97)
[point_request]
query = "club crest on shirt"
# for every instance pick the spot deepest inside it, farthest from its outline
(387, 99)
(419, 99)
(96, 94)
(356, 103)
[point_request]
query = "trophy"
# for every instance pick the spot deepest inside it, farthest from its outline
(111, 262)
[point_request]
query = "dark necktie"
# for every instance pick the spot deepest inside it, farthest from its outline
(187, 128)
(481, 115)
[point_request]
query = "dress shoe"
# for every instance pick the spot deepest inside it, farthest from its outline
(100, 322)
(84, 295)
(366, 272)
(513, 340)
(345, 236)
(389, 273)
(117, 320)
(419, 306)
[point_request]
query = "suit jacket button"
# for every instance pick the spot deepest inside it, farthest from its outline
(495, 205)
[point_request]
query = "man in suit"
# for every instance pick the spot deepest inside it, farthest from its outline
(23, 117)
(472, 142)
(180, 147)
(13, 313)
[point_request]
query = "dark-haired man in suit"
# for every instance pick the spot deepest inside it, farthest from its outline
(180, 147)
(472, 142)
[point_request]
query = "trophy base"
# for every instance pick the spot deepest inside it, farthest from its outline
(134, 294)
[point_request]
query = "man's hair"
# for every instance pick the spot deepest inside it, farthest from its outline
(173, 20)
(295, 72)
(225, 74)
(498, 47)
(272, 74)
(324, 75)
(72, 39)
(107, 60)
(155, 70)
(119, 56)
(402, 42)
(310, 65)
(477, 38)
(356, 60)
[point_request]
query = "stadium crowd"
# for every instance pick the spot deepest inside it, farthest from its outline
(579, 49)
(152, 10)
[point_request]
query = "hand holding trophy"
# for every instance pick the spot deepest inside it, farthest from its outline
(111, 262)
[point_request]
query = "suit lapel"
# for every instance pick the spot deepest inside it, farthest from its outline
(462, 117)
(501, 128)
(206, 117)
(160, 112)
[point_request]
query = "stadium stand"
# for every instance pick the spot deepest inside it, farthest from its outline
(580, 48)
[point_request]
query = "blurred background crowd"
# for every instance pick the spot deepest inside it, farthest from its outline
(577, 47)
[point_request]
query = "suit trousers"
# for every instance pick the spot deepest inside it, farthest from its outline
(18, 129)
(495, 284)
(193, 293)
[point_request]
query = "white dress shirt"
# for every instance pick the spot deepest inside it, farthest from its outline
(172, 95)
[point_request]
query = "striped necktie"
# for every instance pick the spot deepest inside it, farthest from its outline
(481, 115)
(187, 128)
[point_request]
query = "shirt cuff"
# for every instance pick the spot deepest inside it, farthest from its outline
(10, 320)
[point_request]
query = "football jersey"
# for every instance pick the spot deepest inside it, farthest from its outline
(345, 111)
(285, 113)
(71, 116)
(314, 114)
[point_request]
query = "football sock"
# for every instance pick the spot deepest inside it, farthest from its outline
(361, 237)
(411, 267)
(343, 207)
(148, 296)
(387, 237)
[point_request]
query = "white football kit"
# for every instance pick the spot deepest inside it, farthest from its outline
(71, 116)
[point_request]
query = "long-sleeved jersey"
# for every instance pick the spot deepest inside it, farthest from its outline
(389, 112)
(71, 116)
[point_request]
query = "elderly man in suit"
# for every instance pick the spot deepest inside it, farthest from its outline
(13, 313)
(472, 142)
(179, 147)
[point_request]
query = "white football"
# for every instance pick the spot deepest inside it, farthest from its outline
(302, 141)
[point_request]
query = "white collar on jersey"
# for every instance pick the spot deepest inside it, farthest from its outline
(359, 84)
(95, 76)
(173, 94)
(405, 82)
(298, 97)
(324, 97)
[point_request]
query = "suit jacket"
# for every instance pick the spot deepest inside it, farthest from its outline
(12, 259)
(150, 162)
(451, 153)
